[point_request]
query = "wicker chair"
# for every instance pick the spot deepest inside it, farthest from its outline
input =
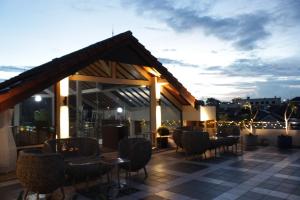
(138, 151)
(177, 133)
(230, 136)
(195, 142)
(73, 147)
(40, 173)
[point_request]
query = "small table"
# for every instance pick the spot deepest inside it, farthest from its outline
(90, 164)
(85, 166)
(117, 162)
(215, 142)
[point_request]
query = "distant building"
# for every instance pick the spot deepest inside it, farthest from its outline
(295, 100)
(229, 105)
(259, 102)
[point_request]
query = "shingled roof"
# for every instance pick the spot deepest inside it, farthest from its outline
(123, 48)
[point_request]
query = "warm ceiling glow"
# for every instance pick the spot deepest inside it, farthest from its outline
(152, 71)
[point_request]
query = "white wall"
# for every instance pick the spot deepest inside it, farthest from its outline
(190, 114)
(271, 135)
(208, 113)
(204, 113)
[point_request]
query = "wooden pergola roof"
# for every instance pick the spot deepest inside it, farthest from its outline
(121, 57)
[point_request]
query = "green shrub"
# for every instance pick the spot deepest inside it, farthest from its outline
(163, 131)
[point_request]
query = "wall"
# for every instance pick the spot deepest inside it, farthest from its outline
(271, 135)
(204, 113)
(144, 114)
(208, 113)
(190, 114)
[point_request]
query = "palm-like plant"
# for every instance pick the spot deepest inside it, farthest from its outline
(289, 110)
(252, 116)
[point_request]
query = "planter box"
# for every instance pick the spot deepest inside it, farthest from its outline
(284, 141)
(251, 142)
(162, 142)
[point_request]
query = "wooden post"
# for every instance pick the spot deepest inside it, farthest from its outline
(78, 105)
(17, 115)
(57, 107)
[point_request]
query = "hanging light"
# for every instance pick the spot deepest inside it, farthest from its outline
(119, 110)
(37, 98)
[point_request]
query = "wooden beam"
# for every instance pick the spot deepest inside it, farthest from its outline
(108, 80)
(142, 71)
(119, 101)
(171, 98)
(136, 96)
(113, 69)
(162, 81)
(131, 98)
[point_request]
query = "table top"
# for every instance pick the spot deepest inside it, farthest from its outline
(83, 161)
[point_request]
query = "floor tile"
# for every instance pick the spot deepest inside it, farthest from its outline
(230, 175)
(185, 167)
(199, 190)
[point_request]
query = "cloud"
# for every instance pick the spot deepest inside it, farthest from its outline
(13, 69)
(255, 78)
(289, 9)
(176, 62)
(244, 31)
(168, 50)
(257, 67)
(90, 6)
(7, 72)
(155, 28)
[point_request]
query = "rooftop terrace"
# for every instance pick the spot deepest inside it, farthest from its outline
(265, 173)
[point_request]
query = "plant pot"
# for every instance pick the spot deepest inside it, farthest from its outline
(284, 141)
(162, 142)
(251, 141)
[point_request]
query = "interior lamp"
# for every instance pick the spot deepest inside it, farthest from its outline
(64, 109)
(64, 121)
(119, 110)
(64, 87)
(37, 98)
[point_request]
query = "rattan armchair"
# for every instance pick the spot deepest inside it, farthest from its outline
(177, 134)
(73, 147)
(195, 142)
(138, 151)
(230, 135)
(40, 173)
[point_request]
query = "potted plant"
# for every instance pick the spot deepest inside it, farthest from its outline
(162, 139)
(251, 139)
(285, 140)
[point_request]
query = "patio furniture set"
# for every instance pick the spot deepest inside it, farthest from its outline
(76, 160)
(195, 142)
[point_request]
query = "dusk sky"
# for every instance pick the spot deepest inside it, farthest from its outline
(216, 48)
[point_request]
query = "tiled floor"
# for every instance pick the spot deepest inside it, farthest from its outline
(265, 173)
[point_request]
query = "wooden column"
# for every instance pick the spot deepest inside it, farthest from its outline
(17, 115)
(78, 105)
(155, 109)
(56, 110)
